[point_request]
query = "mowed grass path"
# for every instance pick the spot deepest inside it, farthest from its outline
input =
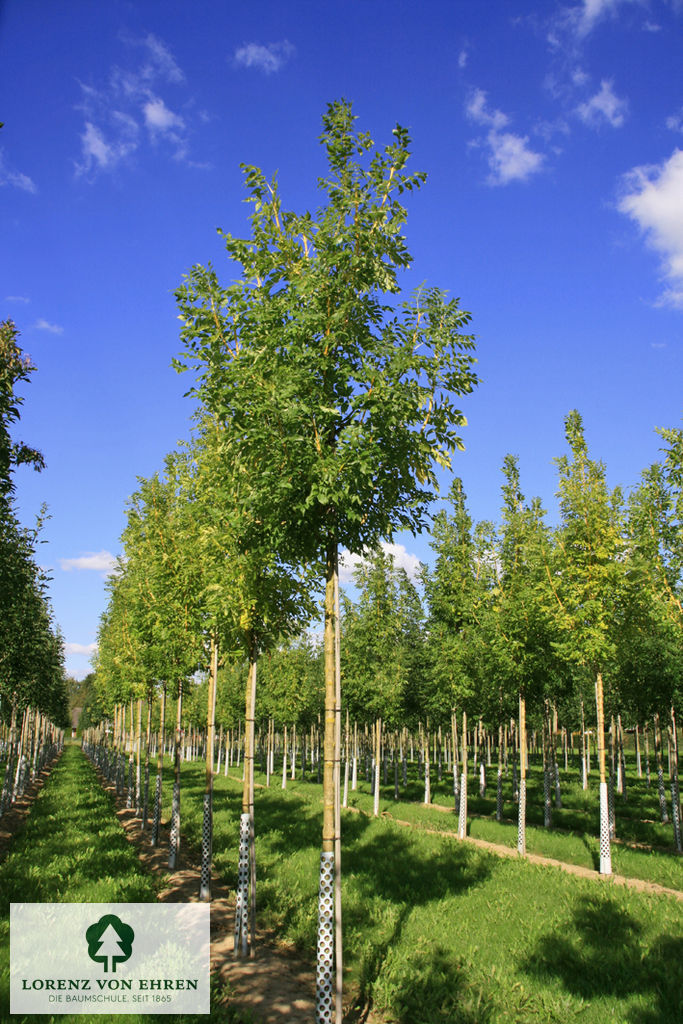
(441, 931)
(73, 850)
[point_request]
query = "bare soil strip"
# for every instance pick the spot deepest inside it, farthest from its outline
(572, 869)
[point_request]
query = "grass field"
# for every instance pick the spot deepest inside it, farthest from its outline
(437, 930)
(434, 930)
(72, 849)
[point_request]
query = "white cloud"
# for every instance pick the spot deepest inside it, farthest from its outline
(348, 563)
(161, 61)
(509, 156)
(478, 111)
(44, 325)
(98, 154)
(588, 13)
(463, 57)
(675, 122)
(97, 561)
(8, 176)
(88, 649)
(653, 198)
(130, 99)
(159, 118)
(16, 298)
(604, 106)
(511, 159)
(268, 58)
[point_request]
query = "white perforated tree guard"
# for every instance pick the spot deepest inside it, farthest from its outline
(242, 900)
(664, 814)
(521, 818)
(605, 852)
(174, 843)
(205, 876)
(157, 811)
(324, 990)
(675, 814)
(462, 815)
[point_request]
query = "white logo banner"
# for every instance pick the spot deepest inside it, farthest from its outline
(109, 958)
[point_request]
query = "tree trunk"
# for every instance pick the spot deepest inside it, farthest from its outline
(245, 908)
(660, 771)
(160, 767)
(605, 851)
(675, 791)
(174, 845)
(145, 797)
(462, 813)
(521, 807)
(378, 754)
(325, 955)
(207, 823)
(138, 761)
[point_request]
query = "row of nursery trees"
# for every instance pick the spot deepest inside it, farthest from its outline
(324, 409)
(33, 697)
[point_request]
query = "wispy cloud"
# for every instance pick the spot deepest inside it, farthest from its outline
(603, 107)
(585, 16)
(88, 649)
(116, 112)
(653, 198)
(675, 122)
(268, 59)
(510, 156)
(16, 298)
(45, 325)
(95, 561)
(8, 176)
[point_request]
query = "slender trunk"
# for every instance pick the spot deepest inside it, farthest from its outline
(174, 846)
(325, 957)
(675, 791)
(245, 908)
(639, 767)
(378, 749)
(145, 798)
(338, 948)
(345, 800)
(499, 779)
(521, 807)
(207, 823)
(138, 766)
(605, 851)
(160, 767)
(462, 813)
(547, 806)
(425, 754)
(454, 744)
(131, 757)
(660, 771)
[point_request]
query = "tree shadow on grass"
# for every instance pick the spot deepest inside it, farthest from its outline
(605, 955)
(395, 867)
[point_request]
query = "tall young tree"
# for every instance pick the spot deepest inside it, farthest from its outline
(340, 400)
(588, 581)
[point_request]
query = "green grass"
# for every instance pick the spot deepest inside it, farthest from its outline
(437, 930)
(72, 849)
(434, 930)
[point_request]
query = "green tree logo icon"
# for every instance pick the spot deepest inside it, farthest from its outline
(110, 941)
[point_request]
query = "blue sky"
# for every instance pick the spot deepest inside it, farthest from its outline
(552, 134)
